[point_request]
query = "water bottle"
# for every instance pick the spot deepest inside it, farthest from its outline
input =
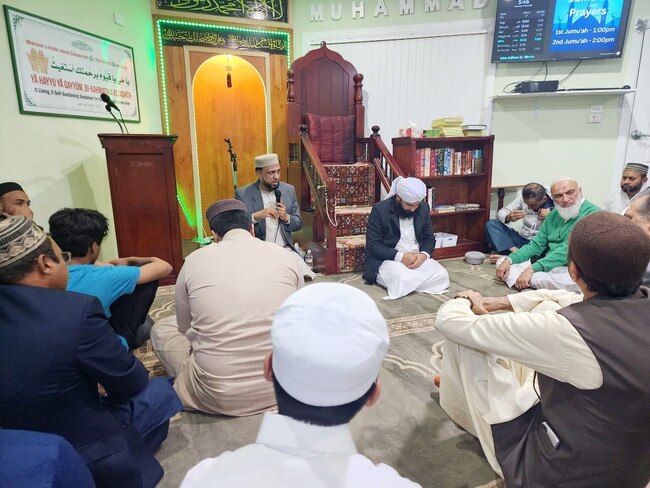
(309, 259)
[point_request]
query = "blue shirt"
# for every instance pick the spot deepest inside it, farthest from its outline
(108, 283)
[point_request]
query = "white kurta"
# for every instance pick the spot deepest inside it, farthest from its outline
(617, 201)
(399, 280)
(288, 454)
(488, 360)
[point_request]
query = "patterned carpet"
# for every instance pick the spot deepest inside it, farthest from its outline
(415, 343)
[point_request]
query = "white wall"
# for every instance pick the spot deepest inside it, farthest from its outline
(59, 161)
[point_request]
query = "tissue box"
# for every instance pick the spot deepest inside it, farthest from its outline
(443, 239)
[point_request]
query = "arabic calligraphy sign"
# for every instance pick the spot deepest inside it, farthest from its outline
(270, 10)
(63, 71)
(180, 33)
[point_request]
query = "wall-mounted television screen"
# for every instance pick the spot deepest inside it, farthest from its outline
(555, 30)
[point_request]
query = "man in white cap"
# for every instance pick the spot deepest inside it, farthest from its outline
(273, 206)
(549, 246)
(400, 242)
(633, 180)
(329, 340)
(227, 294)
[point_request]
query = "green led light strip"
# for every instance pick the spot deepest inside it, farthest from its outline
(198, 224)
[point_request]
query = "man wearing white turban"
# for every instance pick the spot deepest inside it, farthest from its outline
(400, 242)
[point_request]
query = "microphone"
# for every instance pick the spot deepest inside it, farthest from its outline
(109, 103)
(113, 115)
(278, 195)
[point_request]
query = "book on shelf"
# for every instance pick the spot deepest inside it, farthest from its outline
(447, 161)
(431, 196)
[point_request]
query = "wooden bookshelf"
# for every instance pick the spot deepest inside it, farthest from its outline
(473, 187)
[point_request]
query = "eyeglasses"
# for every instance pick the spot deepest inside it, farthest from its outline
(66, 255)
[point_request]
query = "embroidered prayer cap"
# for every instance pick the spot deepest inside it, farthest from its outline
(221, 206)
(18, 237)
(8, 186)
(609, 248)
(638, 167)
(329, 340)
(265, 160)
(411, 190)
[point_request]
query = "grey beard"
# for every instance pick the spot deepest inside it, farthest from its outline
(568, 213)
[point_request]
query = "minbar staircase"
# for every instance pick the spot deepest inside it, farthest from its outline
(342, 196)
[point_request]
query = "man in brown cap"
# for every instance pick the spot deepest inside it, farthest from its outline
(55, 348)
(14, 201)
(633, 180)
(227, 294)
(585, 421)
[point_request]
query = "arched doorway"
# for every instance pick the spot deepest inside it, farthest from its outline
(226, 107)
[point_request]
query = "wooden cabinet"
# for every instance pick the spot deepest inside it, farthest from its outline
(466, 180)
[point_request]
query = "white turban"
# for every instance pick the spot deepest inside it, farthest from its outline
(411, 190)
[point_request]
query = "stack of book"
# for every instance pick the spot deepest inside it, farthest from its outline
(440, 208)
(467, 206)
(455, 207)
(474, 130)
(447, 127)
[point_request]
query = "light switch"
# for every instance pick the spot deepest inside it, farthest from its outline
(119, 19)
(595, 118)
(596, 109)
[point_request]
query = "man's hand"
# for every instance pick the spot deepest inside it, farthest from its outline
(408, 258)
(121, 262)
(282, 212)
(476, 300)
(495, 257)
(523, 281)
(420, 258)
(543, 212)
(515, 215)
(503, 270)
(266, 212)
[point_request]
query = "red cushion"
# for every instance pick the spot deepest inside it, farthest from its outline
(333, 137)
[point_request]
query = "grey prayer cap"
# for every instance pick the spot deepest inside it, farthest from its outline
(18, 237)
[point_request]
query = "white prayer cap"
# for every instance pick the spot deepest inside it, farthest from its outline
(266, 160)
(411, 190)
(564, 178)
(329, 340)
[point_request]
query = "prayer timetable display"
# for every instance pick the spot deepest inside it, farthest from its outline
(554, 30)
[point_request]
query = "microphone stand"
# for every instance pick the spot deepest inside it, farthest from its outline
(108, 108)
(123, 123)
(233, 160)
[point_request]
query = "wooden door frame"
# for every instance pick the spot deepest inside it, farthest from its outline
(189, 78)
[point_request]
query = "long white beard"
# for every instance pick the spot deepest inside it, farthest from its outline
(568, 213)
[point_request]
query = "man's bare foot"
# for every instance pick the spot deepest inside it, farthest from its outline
(495, 257)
